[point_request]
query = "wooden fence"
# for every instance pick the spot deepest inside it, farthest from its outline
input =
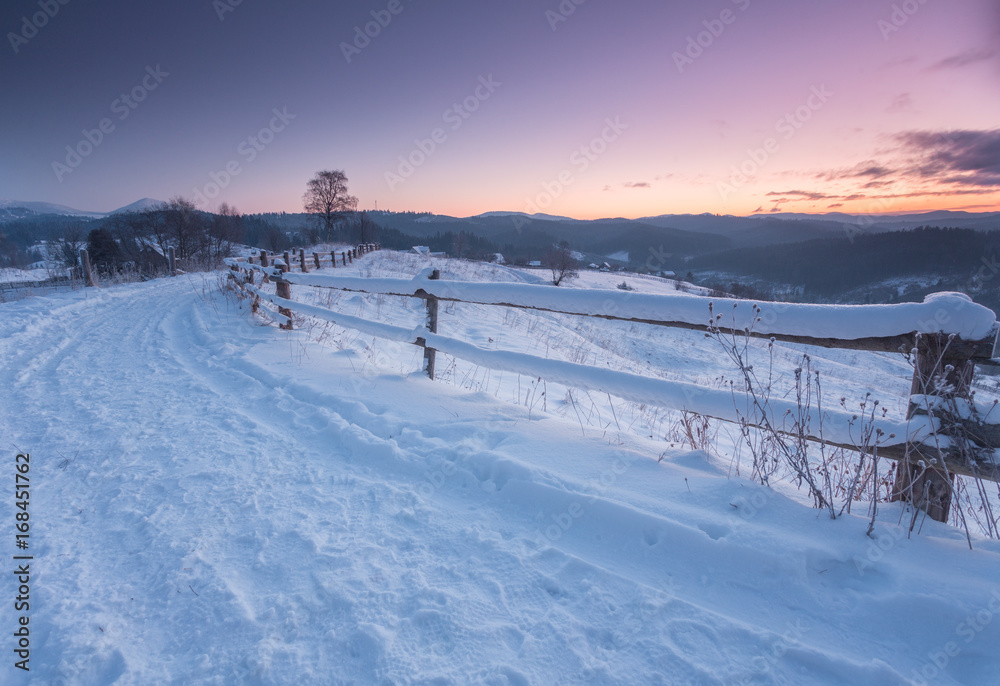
(947, 335)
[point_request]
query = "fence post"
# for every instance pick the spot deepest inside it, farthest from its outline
(430, 354)
(263, 258)
(88, 275)
(302, 260)
(283, 289)
(316, 259)
(255, 301)
(344, 256)
(943, 372)
(288, 262)
(172, 260)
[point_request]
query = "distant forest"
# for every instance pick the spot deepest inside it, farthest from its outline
(855, 269)
(879, 266)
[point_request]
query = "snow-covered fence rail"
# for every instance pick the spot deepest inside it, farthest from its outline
(317, 261)
(948, 335)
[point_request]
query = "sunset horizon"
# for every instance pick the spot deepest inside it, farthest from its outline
(579, 109)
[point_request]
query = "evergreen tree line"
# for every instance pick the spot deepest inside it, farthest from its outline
(826, 269)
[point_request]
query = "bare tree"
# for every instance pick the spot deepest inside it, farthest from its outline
(68, 246)
(458, 244)
(130, 232)
(225, 229)
(368, 230)
(561, 262)
(326, 196)
(185, 226)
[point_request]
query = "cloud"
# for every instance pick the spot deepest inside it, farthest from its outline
(636, 184)
(963, 59)
(834, 205)
(908, 165)
(924, 163)
(809, 195)
(867, 169)
(969, 158)
(901, 103)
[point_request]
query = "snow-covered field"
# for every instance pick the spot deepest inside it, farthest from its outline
(11, 275)
(215, 501)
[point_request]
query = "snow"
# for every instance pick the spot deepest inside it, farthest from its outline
(944, 312)
(220, 502)
(12, 275)
(838, 427)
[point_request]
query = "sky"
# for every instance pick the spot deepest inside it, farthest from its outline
(582, 108)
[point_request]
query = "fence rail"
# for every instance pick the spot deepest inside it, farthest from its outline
(947, 335)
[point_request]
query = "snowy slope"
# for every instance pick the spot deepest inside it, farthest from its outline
(219, 502)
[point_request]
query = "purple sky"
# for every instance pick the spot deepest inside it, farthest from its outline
(625, 108)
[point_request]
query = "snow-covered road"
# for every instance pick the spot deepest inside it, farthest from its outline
(219, 502)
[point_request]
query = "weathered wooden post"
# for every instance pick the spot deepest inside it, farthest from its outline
(430, 354)
(255, 299)
(172, 260)
(344, 256)
(263, 258)
(302, 260)
(316, 259)
(283, 289)
(288, 262)
(88, 275)
(942, 370)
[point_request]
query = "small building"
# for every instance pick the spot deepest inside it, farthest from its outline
(535, 263)
(151, 258)
(421, 250)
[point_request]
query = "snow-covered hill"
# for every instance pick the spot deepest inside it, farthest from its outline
(215, 501)
(15, 208)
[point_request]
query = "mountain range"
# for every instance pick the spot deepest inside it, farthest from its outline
(21, 209)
